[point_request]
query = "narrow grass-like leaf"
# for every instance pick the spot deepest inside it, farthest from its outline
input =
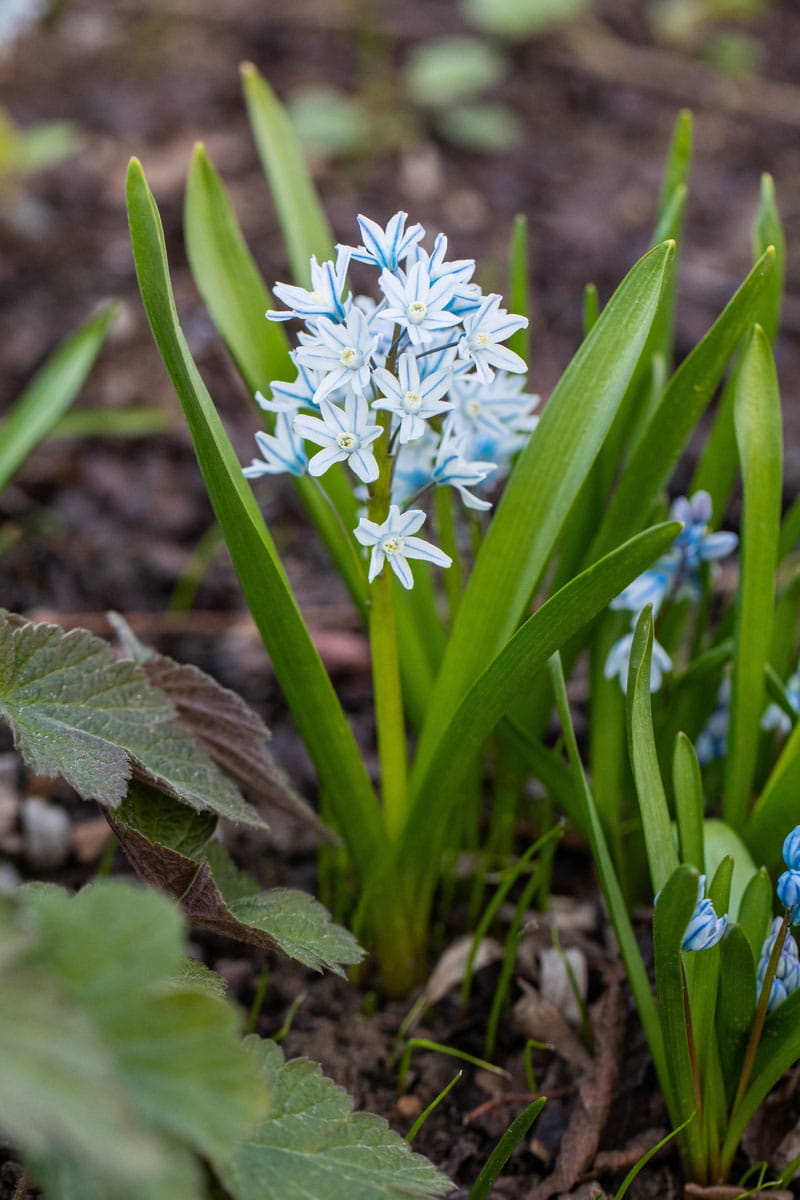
(657, 452)
(504, 1149)
(297, 665)
(672, 914)
(229, 280)
(645, 1159)
(688, 788)
(768, 231)
(50, 393)
(776, 808)
(542, 487)
(437, 786)
(758, 435)
(755, 910)
(303, 223)
(661, 854)
(736, 1003)
(612, 892)
(518, 291)
(676, 167)
(721, 843)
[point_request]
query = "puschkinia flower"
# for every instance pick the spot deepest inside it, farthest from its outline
(411, 398)
(389, 247)
(393, 540)
(323, 299)
(705, 928)
(452, 469)
(345, 435)
(787, 970)
(693, 545)
(484, 330)
(788, 889)
(341, 353)
(427, 349)
(618, 663)
(712, 741)
(417, 305)
(281, 452)
(791, 849)
(774, 716)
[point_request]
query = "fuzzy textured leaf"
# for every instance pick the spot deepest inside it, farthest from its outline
(311, 1144)
(166, 847)
(77, 712)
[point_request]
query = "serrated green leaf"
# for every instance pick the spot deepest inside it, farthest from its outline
(77, 712)
(311, 1144)
(156, 837)
(50, 393)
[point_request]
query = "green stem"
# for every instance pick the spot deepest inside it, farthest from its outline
(389, 717)
(454, 576)
(755, 1033)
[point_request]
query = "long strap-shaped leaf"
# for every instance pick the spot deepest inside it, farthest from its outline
(657, 452)
(297, 665)
(757, 415)
(50, 393)
(303, 223)
(511, 671)
(542, 488)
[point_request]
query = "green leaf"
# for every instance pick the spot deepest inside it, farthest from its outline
(303, 223)
(736, 1003)
(327, 122)
(50, 393)
(773, 814)
(755, 910)
(768, 231)
(446, 70)
(658, 450)
(673, 912)
(757, 418)
(522, 18)
(311, 1144)
(519, 285)
(229, 280)
(661, 854)
(114, 1070)
(722, 842)
(437, 786)
(77, 712)
(305, 683)
(688, 787)
(170, 850)
(542, 488)
(504, 1149)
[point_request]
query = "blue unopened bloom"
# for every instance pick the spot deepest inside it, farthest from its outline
(705, 928)
(392, 540)
(386, 248)
(791, 849)
(788, 889)
(787, 970)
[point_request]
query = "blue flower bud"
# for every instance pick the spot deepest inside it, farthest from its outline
(705, 928)
(791, 849)
(788, 889)
(787, 970)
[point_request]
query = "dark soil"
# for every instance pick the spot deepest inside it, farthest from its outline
(110, 524)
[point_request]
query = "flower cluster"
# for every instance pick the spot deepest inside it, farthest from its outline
(787, 970)
(674, 576)
(788, 886)
(712, 741)
(415, 391)
(705, 928)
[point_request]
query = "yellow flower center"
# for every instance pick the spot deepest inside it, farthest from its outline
(416, 312)
(393, 545)
(412, 402)
(346, 441)
(348, 357)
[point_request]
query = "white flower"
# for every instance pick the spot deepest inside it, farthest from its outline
(484, 329)
(345, 436)
(342, 352)
(619, 658)
(280, 452)
(412, 399)
(393, 541)
(417, 304)
(324, 299)
(452, 469)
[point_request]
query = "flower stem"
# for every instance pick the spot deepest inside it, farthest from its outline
(453, 578)
(389, 717)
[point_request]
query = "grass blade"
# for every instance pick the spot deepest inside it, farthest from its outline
(504, 1149)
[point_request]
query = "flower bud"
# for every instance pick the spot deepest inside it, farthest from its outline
(705, 928)
(791, 849)
(788, 889)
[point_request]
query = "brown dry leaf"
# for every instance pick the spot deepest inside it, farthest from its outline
(536, 1018)
(595, 1093)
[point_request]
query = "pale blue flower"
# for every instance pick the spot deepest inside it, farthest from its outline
(416, 304)
(484, 330)
(281, 451)
(413, 469)
(393, 540)
(712, 741)
(694, 545)
(619, 659)
(291, 395)
(389, 247)
(452, 469)
(323, 299)
(791, 849)
(705, 928)
(788, 889)
(651, 587)
(412, 399)
(341, 353)
(345, 435)
(787, 970)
